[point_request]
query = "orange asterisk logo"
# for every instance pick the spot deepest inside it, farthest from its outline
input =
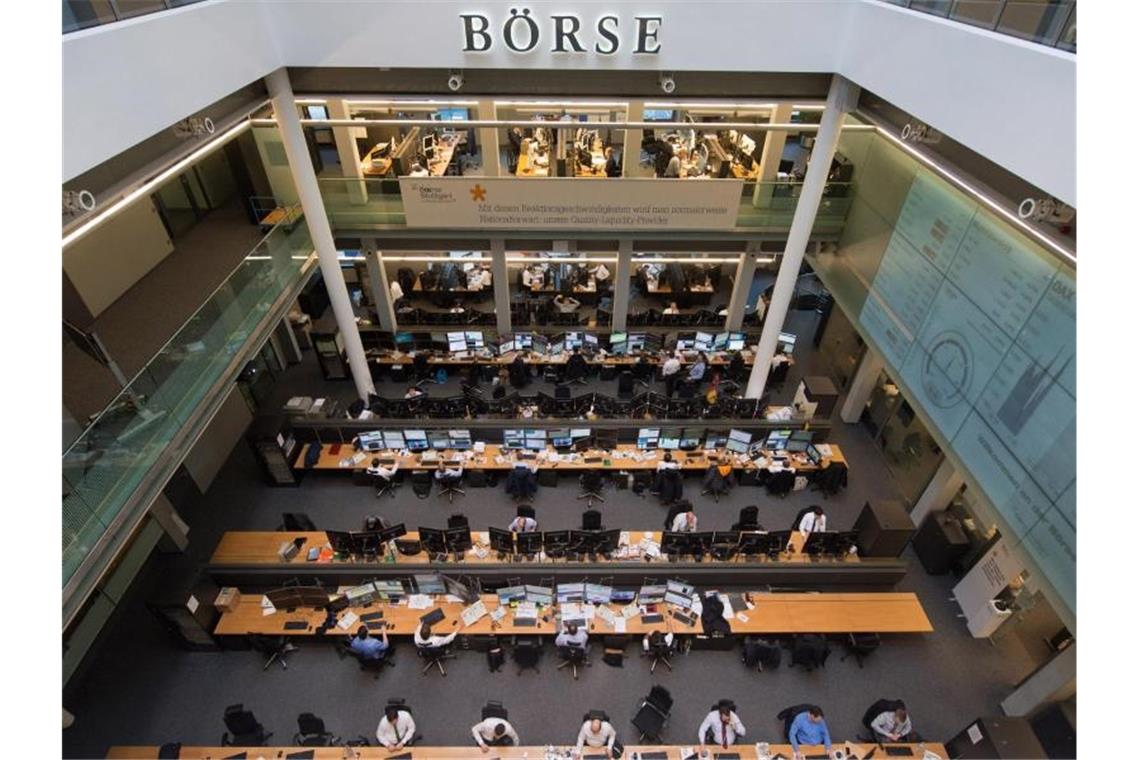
(478, 193)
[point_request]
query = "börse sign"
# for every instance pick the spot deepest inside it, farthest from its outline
(521, 33)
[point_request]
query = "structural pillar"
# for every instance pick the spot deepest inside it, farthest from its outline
(940, 491)
(349, 156)
(631, 149)
(622, 283)
(489, 141)
(841, 99)
(502, 285)
(741, 287)
(1054, 681)
(288, 339)
(305, 179)
(177, 533)
(381, 289)
(859, 390)
(770, 156)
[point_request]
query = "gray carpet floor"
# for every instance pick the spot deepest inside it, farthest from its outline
(138, 688)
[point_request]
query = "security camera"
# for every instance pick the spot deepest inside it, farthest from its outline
(455, 81)
(667, 84)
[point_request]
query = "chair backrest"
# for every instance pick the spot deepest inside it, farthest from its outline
(240, 721)
(298, 521)
(799, 517)
(494, 710)
(457, 521)
(661, 699)
(592, 479)
(573, 654)
(309, 724)
(591, 520)
(750, 515)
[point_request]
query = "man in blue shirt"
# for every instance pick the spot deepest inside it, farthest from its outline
(809, 728)
(368, 647)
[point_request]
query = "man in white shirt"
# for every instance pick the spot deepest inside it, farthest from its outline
(449, 473)
(566, 304)
(377, 470)
(721, 726)
(656, 637)
(485, 278)
(668, 463)
(669, 373)
(426, 639)
(812, 521)
(494, 732)
(685, 522)
(892, 725)
(596, 732)
(601, 273)
(572, 636)
(396, 290)
(396, 729)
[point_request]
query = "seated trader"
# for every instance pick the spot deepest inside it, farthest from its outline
(573, 637)
(426, 640)
(656, 638)
(892, 725)
(377, 470)
(814, 520)
(576, 365)
(414, 392)
(523, 523)
(522, 482)
(596, 732)
(685, 522)
(396, 729)
(697, 371)
(671, 308)
(494, 732)
(449, 475)
(809, 727)
(718, 477)
(367, 647)
(721, 726)
(566, 304)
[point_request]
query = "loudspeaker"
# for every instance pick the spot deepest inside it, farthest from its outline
(884, 528)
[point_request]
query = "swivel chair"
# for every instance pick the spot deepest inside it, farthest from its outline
(372, 665)
(296, 521)
(434, 657)
(592, 484)
(591, 520)
(449, 486)
(311, 732)
(526, 654)
(572, 657)
(653, 714)
(242, 729)
(749, 519)
(659, 651)
(273, 647)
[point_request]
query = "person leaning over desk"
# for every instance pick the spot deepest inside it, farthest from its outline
(368, 647)
(721, 726)
(814, 520)
(494, 732)
(396, 729)
(424, 638)
(809, 727)
(596, 732)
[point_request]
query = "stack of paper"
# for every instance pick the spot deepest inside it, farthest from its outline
(619, 625)
(267, 607)
(473, 613)
(347, 620)
(419, 601)
(526, 610)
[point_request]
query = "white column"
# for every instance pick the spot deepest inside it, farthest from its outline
(631, 150)
(301, 166)
(1054, 681)
(940, 491)
(349, 156)
(860, 387)
(840, 99)
(740, 289)
(622, 283)
(502, 285)
(488, 141)
(177, 532)
(381, 289)
(770, 155)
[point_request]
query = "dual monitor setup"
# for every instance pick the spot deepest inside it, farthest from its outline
(726, 544)
(674, 592)
(569, 544)
(616, 343)
(736, 441)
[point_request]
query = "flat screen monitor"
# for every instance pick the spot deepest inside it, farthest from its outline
(590, 340)
(366, 542)
(509, 594)
(670, 439)
(735, 341)
(506, 347)
(714, 439)
(535, 440)
(458, 539)
(777, 440)
(404, 339)
(573, 340)
(560, 438)
(623, 595)
(427, 144)
(598, 594)
(685, 344)
(340, 541)
(539, 344)
(651, 595)
(703, 341)
(701, 541)
(618, 342)
(460, 439)
(474, 339)
(457, 346)
(434, 540)
(777, 540)
(813, 454)
(691, 439)
(570, 592)
(529, 543)
(647, 438)
(820, 542)
(513, 439)
(556, 540)
(577, 433)
(636, 342)
(416, 440)
(678, 600)
(787, 342)
(363, 594)
(753, 543)
(392, 533)
(679, 587)
(523, 341)
(720, 342)
(438, 339)
(608, 540)
(389, 590)
(738, 441)
(726, 537)
(557, 347)
(439, 440)
(429, 583)
(540, 595)
(501, 540)
(674, 543)
(459, 589)
(799, 441)
(457, 337)
(393, 439)
(584, 540)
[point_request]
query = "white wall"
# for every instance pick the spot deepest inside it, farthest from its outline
(1011, 101)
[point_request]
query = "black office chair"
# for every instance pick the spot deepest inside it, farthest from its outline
(592, 484)
(591, 520)
(242, 729)
(371, 665)
(659, 651)
(860, 645)
(831, 479)
(527, 652)
(572, 657)
(458, 520)
(449, 486)
(273, 647)
(494, 709)
(385, 485)
(810, 651)
(758, 653)
(749, 519)
(421, 483)
(788, 714)
(311, 732)
(670, 486)
(521, 483)
(625, 385)
(296, 522)
(780, 483)
(434, 657)
(652, 714)
(778, 375)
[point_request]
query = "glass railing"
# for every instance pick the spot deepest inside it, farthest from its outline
(1046, 22)
(104, 466)
(362, 202)
(84, 14)
(773, 204)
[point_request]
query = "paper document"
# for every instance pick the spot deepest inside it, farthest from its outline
(606, 614)
(629, 611)
(589, 611)
(728, 611)
(824, 450)
(419, 601)
(473, 613)
(499, 614)
(347, 620)
(742, 617)
(267, 607)
(526, 610)
(619, 625)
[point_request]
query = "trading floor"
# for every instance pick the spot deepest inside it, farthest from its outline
(138, 688)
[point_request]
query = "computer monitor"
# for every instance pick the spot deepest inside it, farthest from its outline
(813, 454)
(539, 344)
(556, 540)
(501, 540)
(535, 440)
(434, 540)
(647, 438)
(685, 344)
(635, 342)
(389, 590)
(590, 341)
(584, 540)
(570, 592)
(820, 542)
(460, 439)
(392, 533)
(429, 583)
(777, 541)
(356, 596)
(735, 342)
(393, 439)
(439, 440)
(726, 538)
(619, 342)
(404, 339)
(674, 543)
(651, 595)
(523, 341)
(459, 589)
(557, 347)
(365, 542)
(703, 341)
(753, 543)
(579, 433)
(427, 145)
(679, 587)
(528, 543)
(506, 347)
(560, 438)
(691, 439)
(416, 440)
(608, 540)
(596, 593)
(509, 594)
(799, 441)
(777, 440)
(714, 439)
(573, 340)
(456, 341)
(738, 441)
(458, 539)
(474, 339)
(670, 439)
(340, 541)
(513, 439)
(720, 342)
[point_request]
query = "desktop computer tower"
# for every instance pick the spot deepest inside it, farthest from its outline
(884, 528)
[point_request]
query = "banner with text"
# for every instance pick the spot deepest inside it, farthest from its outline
(567, 203)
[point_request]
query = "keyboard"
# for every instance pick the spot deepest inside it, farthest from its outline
(898, 751)
(654, 756)
(372, 616)
(375, 625)
(296, 625)
(238, 756)
(652, 618)
(432, 617)
(526, 622)
(306, 755)
(729, 756)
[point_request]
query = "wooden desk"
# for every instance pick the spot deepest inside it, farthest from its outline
(287, 214)
(890, 612)
(445, 148)
(378, 168)
(747, 751)
(526, 169)
(260, 548)
(496, 458)
(716, 359)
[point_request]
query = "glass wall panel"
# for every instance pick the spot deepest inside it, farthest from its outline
(569, 139)
(561, 288)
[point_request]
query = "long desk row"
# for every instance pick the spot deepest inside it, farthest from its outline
(391, 356)
(496, 457)
(856, 751)
(784, 613)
